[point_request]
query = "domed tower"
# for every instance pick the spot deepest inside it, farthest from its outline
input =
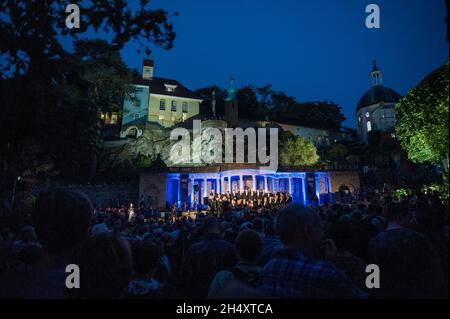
(375, 110)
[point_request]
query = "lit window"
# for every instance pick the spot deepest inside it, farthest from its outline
(170, 87)
(174, 117)
(185, 107)
(162, 105)
(184, 116)
(367, 114)
(161, 116)
(369, 126)
(174, 106)
(114, 117)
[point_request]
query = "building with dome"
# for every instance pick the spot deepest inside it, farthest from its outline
(375, 110)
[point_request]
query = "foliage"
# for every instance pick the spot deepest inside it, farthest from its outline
(422, 120)
(441, 189)
(45, 21)
(51, 96)
(206, 94)
(337, 152)
(296, 151)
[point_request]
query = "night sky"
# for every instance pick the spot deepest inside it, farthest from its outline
(312, 50)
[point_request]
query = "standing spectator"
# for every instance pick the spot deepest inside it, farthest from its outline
(410, 266)
(205, 258)
(248, 248)
(105, 267)
(62, 220)
(298, 271)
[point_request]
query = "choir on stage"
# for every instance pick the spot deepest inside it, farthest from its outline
(253, 200)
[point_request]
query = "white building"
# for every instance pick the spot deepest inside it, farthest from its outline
(375, 110)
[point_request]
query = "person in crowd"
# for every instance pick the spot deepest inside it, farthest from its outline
(248, 248)
(410, 265)
(147, 257)
(300, 269)
(347, 237)
(270, 244)
(205, 258)
(62, 220)
(105, 267)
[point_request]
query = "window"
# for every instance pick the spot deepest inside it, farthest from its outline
(136, 116)
(174, 106)
(114, 117)
(162, 105)
(367, 114)
(184, 116)
(170, 87)
(137, 101)
(174, 117)
(185, 107)
(139, 89)
(369, 126)
(161, 116)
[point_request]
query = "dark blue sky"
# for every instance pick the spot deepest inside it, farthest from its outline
(312, 50)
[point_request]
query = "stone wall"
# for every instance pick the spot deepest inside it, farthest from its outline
(152, 188)
(344, 178)
(103, 195)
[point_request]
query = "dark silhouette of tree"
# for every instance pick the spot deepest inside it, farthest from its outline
(206, 94)
(248, 102)
(51, 97)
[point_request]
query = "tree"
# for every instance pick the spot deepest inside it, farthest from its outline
(45, 21)
(297, 151)
(422, 120)
(247, 102)
(265, 103)
(50, 94)
(206, 95)
(337, 152)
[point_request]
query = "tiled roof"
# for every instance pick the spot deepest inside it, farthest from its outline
(157, 86)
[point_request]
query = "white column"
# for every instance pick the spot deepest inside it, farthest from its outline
(204, 188)
(192, 191)
(229, 184)
(265, 184)
(278, 185)
(254, 182)
(217, 185)
(273, 184)
(290, 185)
(241, 182)
(304, 188)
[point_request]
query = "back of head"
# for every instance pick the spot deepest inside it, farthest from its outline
(397, 211)
(210, 225)
(105, 267)
(146, 257)
(292, 221)
(248, 245)
(62, 219)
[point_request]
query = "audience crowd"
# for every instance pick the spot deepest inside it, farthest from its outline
(296, 252)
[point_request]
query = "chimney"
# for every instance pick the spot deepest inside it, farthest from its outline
(147, 70)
